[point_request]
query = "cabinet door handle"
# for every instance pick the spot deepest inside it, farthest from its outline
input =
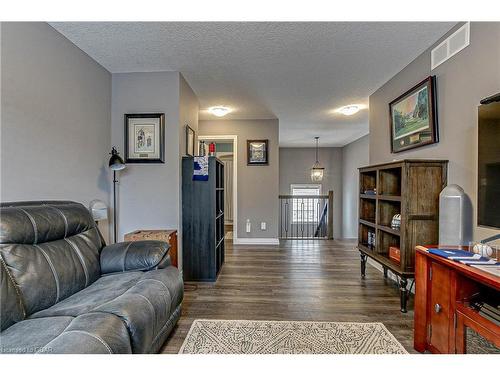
(437, 308)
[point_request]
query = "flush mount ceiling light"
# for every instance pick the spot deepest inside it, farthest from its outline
(317, 170)
(219, 111)
(349, 110)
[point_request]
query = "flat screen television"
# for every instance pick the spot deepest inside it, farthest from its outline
(488, 197)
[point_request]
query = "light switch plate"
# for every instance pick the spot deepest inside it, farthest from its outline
(263, 225)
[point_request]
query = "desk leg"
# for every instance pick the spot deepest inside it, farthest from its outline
(420, 326)
(363, 265)
(459, 334)
(404, 293)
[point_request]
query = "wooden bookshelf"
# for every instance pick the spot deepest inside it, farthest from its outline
(410, 188)
(202, 221)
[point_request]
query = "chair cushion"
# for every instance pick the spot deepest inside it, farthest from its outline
(89, 333)
(143, 301)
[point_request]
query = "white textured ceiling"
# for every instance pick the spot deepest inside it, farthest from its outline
(297, 72)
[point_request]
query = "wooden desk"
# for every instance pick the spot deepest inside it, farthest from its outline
(167, 235)
(442, 289)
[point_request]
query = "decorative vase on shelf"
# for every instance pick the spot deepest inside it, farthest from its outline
(396, 222)
(201, 151)
(455, 217)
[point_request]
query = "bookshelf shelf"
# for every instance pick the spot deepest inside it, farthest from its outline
(368, 196)
(394, 198)
(367, 223)
(389, 230)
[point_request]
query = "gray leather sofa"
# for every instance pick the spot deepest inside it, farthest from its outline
(64, 291)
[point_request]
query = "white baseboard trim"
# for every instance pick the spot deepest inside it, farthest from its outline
(256, 241)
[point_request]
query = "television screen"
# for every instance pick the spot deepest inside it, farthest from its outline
(488, 198)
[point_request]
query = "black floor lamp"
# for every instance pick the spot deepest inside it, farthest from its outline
(116, 163)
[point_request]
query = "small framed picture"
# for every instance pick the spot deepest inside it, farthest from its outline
(189, 141)
(413, 117)
(145, 138)
(257, 152)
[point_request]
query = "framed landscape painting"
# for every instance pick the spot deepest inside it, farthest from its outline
(413, 117)
(145, 138)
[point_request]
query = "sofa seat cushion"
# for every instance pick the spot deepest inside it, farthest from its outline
(88, 333)
(143, 301)
(103, 290)
(30, 335)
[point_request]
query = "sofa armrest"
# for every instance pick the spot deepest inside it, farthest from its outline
(135, 256)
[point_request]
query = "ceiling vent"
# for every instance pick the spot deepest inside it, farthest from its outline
(451, 46)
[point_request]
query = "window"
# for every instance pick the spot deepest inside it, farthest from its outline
(305, 209)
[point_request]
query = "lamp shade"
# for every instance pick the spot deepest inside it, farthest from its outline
(98, 209)
(116, 163)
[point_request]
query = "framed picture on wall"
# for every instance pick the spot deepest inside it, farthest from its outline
(257, 152)
(145, 138)
(189, 141)
(413, 117)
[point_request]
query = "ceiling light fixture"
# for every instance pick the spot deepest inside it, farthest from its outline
(219, 111)
(317, 170)
(350, 109)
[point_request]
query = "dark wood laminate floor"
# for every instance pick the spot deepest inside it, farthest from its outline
(299, 280)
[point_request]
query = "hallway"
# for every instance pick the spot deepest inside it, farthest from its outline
(299, 280)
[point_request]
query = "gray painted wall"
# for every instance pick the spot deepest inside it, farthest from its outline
(258, 186)
(149, 194)
(56, 111)
(189, 109)
(462, 81)
(295, 168)
(354, 155)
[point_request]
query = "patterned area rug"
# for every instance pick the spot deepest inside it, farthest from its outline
(288, 337)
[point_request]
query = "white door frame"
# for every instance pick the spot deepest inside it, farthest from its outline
(234, 138)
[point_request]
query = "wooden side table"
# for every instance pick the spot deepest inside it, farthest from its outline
(167, 235)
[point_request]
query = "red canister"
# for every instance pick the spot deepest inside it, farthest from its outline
(211, 149)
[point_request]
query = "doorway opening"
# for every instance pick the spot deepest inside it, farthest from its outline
(226, 150)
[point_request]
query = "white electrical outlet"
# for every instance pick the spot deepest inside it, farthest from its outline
(263, 225)
(249, 226)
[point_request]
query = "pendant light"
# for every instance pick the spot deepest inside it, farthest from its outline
(317, 170)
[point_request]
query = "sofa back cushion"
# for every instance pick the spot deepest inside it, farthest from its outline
(11, 307)
(50, 250)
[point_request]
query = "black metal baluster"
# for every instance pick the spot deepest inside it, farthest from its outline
(308, 200)
(286, 218)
